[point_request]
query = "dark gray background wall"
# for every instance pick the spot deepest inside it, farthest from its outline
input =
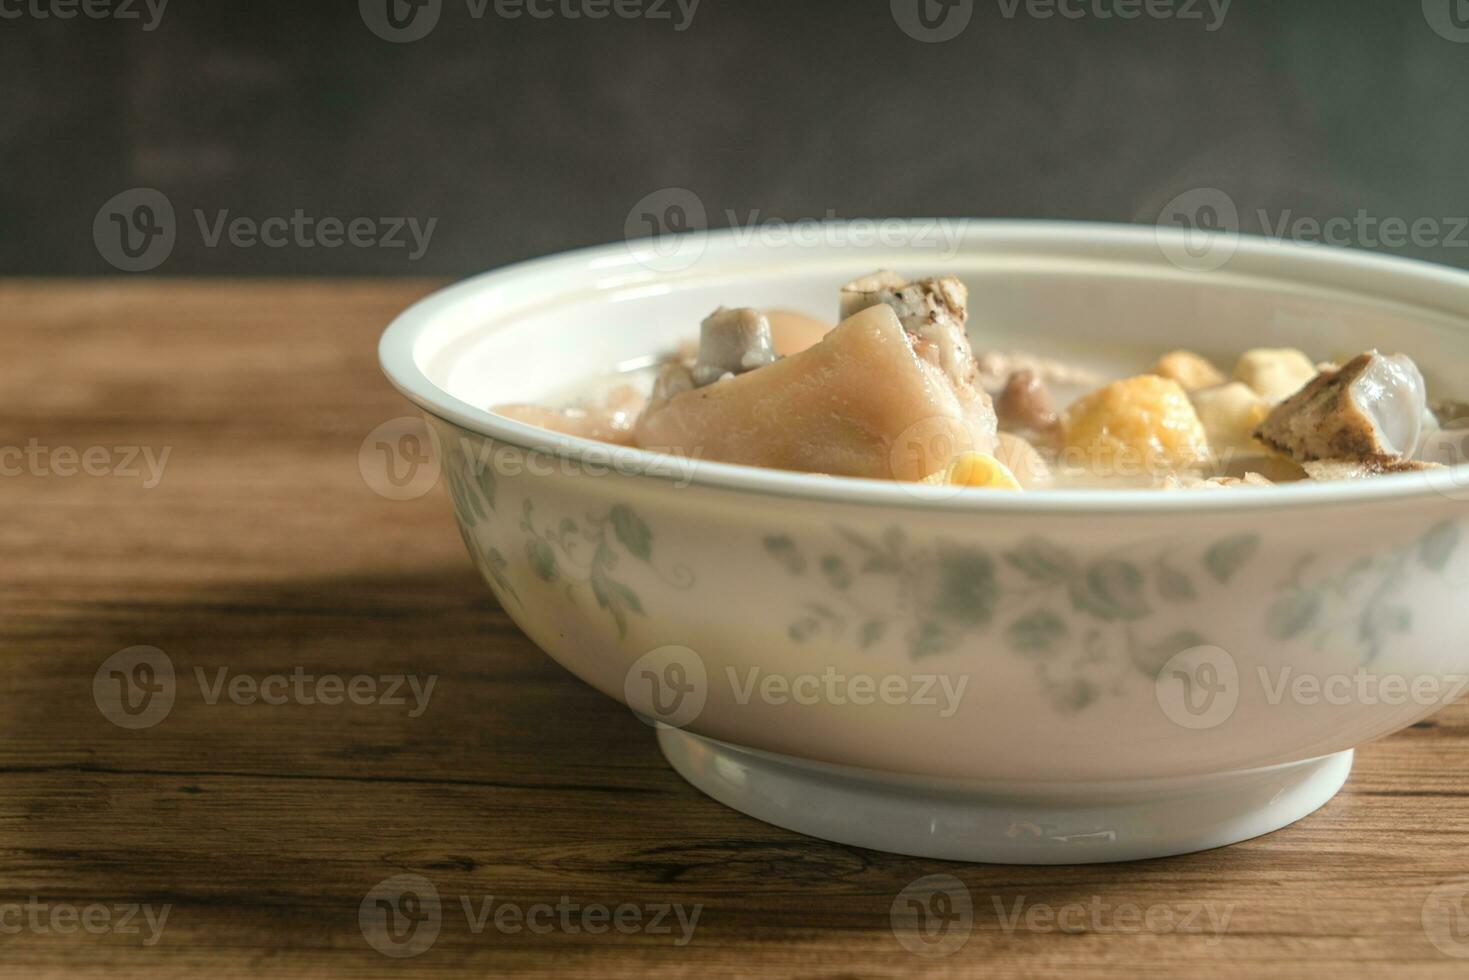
(524, 136)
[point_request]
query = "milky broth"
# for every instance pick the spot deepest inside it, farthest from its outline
(1101, 361)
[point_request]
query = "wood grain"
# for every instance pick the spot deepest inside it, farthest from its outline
(264, 827)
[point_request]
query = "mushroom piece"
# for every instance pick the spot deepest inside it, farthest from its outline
(674, 378)
(1372, 407)
(1025, 404)
(997, 367)
(732, 342)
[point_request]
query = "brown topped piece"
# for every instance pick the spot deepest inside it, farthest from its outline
(1372, 407)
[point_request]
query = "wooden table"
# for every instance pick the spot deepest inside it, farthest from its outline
(263, 828)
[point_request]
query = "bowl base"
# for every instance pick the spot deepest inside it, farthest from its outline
(1005, 823)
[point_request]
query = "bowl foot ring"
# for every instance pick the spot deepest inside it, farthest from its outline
(1005, 823)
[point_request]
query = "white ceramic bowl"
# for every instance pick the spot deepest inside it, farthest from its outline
(1050, 677)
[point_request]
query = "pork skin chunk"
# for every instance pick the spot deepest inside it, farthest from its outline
(1370, 408)
(847, 406)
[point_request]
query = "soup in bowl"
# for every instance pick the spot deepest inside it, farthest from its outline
(1049, 550)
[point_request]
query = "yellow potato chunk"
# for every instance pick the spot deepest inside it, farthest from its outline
(1134, 427)
(1190, 370)
(976, 470)
(1275, 373)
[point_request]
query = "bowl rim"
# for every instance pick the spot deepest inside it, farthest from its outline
(620, 266)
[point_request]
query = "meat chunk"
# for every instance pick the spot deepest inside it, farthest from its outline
(996, 368)
(1025, 404)
(732, 342)
(1372, 407)
(934, 311)
(862, 402)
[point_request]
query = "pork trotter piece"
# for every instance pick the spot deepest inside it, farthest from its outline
(849, 406)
